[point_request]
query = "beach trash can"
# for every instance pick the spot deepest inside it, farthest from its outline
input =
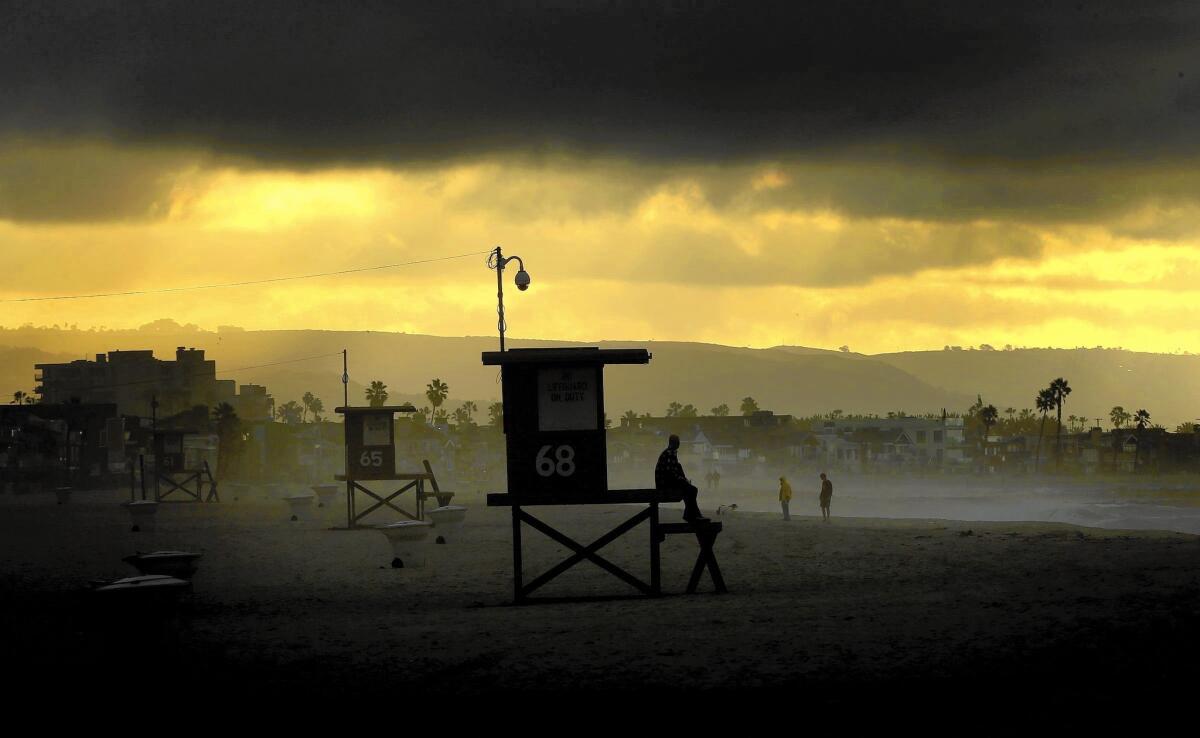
(142, 515)
(178, 564)
(136, 619)
(300, 507)
(151, 585)
(62, 494)
(447, 523)
(408, 541)
(326, 494)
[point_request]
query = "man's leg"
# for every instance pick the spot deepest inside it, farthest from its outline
(690, 509)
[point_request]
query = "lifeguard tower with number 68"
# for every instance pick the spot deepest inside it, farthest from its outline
(555, 438)
(554, 420)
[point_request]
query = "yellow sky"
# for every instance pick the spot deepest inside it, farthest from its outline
(753, 254)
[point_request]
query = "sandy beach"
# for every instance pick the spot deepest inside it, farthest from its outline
(858, 609)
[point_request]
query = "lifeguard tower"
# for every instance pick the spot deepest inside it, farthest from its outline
(371, 459)
(557, 455)
(171, 472)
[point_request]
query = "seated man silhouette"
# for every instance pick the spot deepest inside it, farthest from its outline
(668, 474)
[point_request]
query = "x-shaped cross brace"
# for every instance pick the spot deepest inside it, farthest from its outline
(585, 552)
(192, 476)
(382, 501)
(707, 558)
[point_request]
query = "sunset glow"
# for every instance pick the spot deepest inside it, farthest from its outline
(701, 253)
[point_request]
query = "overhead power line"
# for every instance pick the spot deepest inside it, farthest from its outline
(245, 283)
(278, 363)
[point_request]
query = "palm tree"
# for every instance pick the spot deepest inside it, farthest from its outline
(18, 398)
(1045, 403)
(1061, 389)
(721, 410)
(496, 414)
(673, 410)
(1141, 419)
(688, 411)
(437, 391)
(291, 412)
(463, 415)
(988, 417)
(377, 394)
(225, 417)
(628, 417)
(1119, 417)
(307, 401)
(317, 408)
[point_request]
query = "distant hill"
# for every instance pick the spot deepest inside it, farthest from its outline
(705, 375)
(786, 379)
(1167, 385)
(16, 368)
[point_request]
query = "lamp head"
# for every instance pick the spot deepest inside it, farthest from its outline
(522, 280)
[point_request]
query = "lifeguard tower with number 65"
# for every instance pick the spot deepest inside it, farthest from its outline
(371, 461)
(557, 455)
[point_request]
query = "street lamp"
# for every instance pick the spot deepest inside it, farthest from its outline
(497, 260)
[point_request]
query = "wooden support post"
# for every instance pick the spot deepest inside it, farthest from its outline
(655, 541)
(518, 584)
(213, 494)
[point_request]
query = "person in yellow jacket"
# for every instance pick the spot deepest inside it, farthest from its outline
(785, 496)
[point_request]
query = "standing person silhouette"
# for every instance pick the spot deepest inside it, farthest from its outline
(785, 496)
(668, 474)
(826, 496)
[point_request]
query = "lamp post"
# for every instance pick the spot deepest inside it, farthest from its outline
(497, 260)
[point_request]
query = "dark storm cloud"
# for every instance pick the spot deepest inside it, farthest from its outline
(314, 83)
(85, 181)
